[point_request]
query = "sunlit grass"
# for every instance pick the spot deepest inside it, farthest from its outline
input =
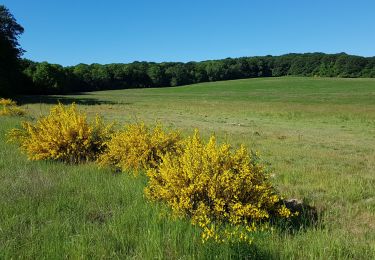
(318, 136)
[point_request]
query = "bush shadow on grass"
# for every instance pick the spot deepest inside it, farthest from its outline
(46, 99)
(237, 250)
(245, 250)
(308, 217)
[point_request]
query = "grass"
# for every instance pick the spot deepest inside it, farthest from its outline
(316, 135)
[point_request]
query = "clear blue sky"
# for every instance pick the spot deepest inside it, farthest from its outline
(73, 31)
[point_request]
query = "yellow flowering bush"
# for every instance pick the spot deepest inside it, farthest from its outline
(64, 135)
(139, 147)
(226, 193)
(10, 108)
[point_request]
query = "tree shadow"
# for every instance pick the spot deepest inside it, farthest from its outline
(47, 99)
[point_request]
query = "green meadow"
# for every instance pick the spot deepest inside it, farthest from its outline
(316, 136)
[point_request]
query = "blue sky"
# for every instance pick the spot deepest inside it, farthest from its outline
(72, 31)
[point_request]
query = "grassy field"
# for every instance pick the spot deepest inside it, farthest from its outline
(316, 135)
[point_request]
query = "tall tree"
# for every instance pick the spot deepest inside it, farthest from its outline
(10, 52)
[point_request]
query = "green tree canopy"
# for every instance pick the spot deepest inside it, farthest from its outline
(10, 52)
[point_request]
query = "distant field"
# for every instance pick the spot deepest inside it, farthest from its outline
(317, 135)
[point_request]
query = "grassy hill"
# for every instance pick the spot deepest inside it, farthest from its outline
(317, 135)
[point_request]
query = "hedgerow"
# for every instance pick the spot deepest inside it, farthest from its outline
(64, 135)
(10, 108)
(227, 194)
(139, 147)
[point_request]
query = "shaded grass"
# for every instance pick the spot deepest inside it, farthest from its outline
(316, 135)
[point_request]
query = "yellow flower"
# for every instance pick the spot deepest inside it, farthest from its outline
(65, 135)
(10, 108)
(226, 193)
(138, 147)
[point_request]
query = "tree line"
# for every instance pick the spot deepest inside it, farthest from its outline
(22, 76)
(54, 78)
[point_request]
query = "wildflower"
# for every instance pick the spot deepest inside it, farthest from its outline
(64, 135)
(227, 194)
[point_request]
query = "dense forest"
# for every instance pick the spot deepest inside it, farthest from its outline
(22, 76)
(53, 78)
